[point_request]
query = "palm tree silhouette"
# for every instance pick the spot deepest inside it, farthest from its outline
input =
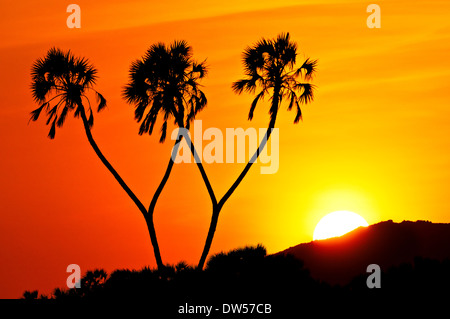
(166, 81)
(60, 83)
(269, 65)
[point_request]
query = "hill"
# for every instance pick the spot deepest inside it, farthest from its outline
(338, 260)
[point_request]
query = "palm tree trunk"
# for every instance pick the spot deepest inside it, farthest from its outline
(218, 207)
(202, 171)
(151, 208)
(165, 178)
(130, 193)
(209, 237)
(163, 182)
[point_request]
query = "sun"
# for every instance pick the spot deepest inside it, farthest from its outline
(337, 224)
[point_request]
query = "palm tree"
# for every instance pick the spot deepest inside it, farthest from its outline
(60, 84)
(269, 66)
(166, 81)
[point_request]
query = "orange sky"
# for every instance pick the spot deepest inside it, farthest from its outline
(375, 140)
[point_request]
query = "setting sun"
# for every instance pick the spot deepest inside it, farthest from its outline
(337, 224)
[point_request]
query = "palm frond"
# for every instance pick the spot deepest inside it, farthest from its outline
(293, 100)
(52, 132)
(38, 69)
(238, 86)
(51, 112)
(244, 84)
(307, 92)
(180, 48)
(40, 88)
(62, 116)
(285, 50)
(298, 116)
(140, 110)
(163, 132)
(200, 68)
(145, 125)
(201, 102)
(148, 122)
(101, 101)
(255, 101)
(307, 69)
(91, 119)
(35, 114)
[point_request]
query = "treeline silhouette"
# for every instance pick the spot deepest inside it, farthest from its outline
(250, 275)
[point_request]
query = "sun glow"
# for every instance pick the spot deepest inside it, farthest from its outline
(337, 224)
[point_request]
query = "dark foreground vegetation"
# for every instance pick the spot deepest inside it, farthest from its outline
(248, 275)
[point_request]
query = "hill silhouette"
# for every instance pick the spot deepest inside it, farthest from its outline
(340, 259)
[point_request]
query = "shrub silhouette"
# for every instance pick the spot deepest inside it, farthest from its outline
(247, 275)
(242, 271)
(237, 260)
(30, 295)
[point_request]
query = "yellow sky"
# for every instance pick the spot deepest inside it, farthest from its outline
(374, 141)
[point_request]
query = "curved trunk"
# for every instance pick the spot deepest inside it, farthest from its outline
(125, 187)
(165, 178)
(209, 237)
(202, 171)
(151, 208)
(218, 207)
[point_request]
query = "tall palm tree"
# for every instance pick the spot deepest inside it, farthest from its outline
(60, 84)
(166, 81)
(269, 67)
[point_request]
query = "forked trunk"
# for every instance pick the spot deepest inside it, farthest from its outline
(218, 207)
(151, 209)
(149, 220)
